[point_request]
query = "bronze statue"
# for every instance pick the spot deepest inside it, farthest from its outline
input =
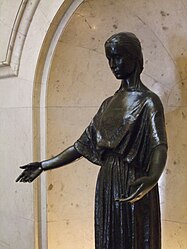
(127, 139)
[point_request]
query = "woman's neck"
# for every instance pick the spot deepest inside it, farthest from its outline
(131, 83)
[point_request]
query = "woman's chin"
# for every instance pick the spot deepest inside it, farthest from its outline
(118, 76)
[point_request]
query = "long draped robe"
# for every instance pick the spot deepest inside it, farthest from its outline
(121, 138)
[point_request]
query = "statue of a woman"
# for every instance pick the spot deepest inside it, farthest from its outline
(127, 139)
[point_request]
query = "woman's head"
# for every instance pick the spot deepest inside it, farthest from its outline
(124, 53)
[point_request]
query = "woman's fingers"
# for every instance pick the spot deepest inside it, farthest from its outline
(23, 176)
(26, 179)
(138, 181)
(136, 198)
(133, 195)
(24, 166)
(31, 166)
(32, 177)
(19, 177)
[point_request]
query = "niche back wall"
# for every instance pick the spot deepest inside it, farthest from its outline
(80, 80)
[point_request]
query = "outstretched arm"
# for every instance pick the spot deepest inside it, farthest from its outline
(67, 156)
(33, 170)
(144, 184)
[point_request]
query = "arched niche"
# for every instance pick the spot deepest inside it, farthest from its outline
(71, 81)
(57, 18)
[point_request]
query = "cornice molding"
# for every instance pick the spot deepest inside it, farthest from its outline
(9, 67)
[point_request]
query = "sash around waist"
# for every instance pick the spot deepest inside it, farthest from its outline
(108, 154)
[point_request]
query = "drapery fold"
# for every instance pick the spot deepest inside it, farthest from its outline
(120, 138)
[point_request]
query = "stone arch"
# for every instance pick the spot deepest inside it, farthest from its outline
(40, 81)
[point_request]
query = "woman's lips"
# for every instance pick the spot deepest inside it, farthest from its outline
(116, 72)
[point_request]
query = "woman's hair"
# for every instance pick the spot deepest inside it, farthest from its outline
(131, 45)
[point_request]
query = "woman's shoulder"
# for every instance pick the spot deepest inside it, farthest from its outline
(106, 101)
(153, 100)
(104, 105)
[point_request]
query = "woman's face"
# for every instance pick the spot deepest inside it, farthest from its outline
(121, 63)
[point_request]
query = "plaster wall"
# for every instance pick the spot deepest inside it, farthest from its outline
(80, 80)
(18, 203)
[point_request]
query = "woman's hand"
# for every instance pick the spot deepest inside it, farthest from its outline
(141, 187)
(31, 171)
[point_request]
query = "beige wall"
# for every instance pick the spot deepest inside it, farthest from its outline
(80, 79)
(19, 205)
(78, 82)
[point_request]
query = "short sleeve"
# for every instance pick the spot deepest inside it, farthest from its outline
(154, 131)
(86, 145)
(157, 130)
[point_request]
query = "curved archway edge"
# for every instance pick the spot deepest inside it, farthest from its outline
(60, 18)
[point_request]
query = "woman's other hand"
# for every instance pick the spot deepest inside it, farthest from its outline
(31, 171)
(141, 187)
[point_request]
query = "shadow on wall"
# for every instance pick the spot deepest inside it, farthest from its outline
(174, 199)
